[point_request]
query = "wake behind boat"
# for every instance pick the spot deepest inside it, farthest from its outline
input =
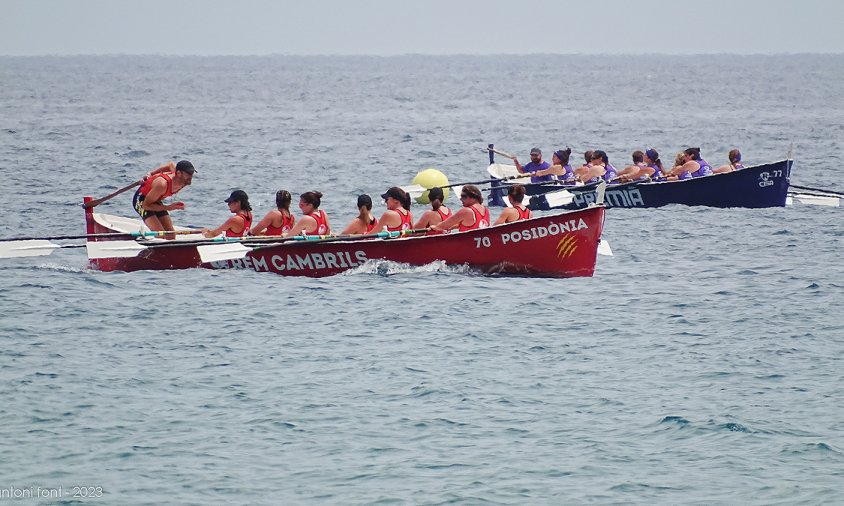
(559, 245)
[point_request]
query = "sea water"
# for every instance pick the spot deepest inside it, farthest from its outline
(701, 364)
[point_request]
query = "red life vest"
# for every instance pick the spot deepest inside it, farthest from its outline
(321, 225)
(481, 221)
(246, 216)
(147, 186)
(286, 225)
(406, 221)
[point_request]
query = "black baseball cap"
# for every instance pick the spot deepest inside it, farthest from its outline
(185, 166)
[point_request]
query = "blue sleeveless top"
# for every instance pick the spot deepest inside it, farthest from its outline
(704, 170)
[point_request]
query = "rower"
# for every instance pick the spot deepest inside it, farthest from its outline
(278, 221)
(313, 221)
(472, 216)
(515, 194)
(636, 171)
(560, 167)
(735, 162)
(693, 165)
(237, 225)
(397, 217)
(364, 222)
(163, 182)
(536, 163)
(438, 212)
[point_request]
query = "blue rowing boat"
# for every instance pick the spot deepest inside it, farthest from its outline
(754, 187)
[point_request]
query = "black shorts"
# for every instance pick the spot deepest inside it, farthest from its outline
(138, 204)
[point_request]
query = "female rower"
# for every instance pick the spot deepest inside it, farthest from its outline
(735, 162)
(635, 172)
(313, 220)
(515, 194)
(397, 217)
(654, 165)
(693, 165)
(473, 215)
(438, 212)
(238, 225)
(560, 167)
(279, 221)
(364, 222)
(600, 168)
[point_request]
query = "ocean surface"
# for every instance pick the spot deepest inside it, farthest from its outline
(702, 364)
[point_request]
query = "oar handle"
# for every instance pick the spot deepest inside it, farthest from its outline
(96, 202)
(502, 153)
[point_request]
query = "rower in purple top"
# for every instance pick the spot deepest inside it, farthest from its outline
(735, 162)
(693, 165)
(536, 163)
(635, 172)
(598, 168)
(654, 165)
(561, 168)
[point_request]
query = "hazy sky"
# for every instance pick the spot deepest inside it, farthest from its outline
(389, 27)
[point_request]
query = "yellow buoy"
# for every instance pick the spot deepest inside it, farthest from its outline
(430, 178)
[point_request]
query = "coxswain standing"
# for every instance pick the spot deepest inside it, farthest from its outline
(473, 215)
(163, 182)
(313, 220)
(238, 225)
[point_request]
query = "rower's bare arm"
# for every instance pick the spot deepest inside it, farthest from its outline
(262, 225)
(303, 223)
(506, 216)
(153, 198)
(227, 225)
(453, 221)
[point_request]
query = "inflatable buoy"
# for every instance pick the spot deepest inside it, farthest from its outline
(430, 178)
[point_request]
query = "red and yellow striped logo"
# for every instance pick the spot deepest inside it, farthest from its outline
(567, 246)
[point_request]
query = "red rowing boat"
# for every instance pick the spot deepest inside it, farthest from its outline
(558, 245)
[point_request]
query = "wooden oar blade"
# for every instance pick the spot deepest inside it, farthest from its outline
(220, 252)
(28, 248)
(113, 249)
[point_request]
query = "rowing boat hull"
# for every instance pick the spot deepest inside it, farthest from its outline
(560, 245)
(754, 187)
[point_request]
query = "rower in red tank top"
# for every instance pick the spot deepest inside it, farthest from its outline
(473, 215)
(517, 211)
(238, 225)
(397, 217)
(364, 222)
(437, 214)
(314, 221)
(279, 221)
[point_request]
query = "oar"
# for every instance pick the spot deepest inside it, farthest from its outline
(148, 233)
(830, 192)
(811, 198)
(96, 202)
(33, 248)
(419, 188)
(217, 253)
(502, 153)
